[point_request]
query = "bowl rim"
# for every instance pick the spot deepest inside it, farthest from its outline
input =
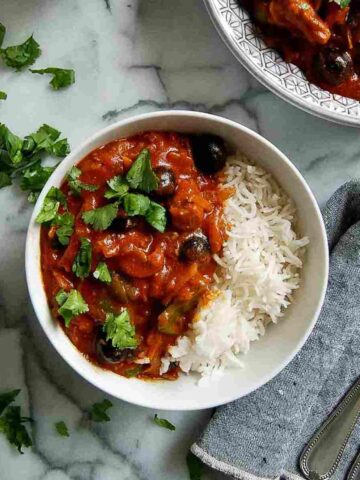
(73, 158)
(267, 80)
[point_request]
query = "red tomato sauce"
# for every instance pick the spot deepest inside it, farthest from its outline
(148, 274)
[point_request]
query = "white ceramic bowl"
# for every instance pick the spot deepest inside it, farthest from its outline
(281, 342)
(285, 79)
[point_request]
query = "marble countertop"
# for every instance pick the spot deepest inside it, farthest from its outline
(130, 57)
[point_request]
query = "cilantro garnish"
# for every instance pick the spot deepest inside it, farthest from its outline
(62, 77)
(136, 204)
(102, 273)
(20, 56)
(162, 422)
(2, 33)
(3, 95)
(118, 187)
(101, 218)
(195, 466)
(65, 224)
(82, 263)
(7, 398)
(21, 158)
(120, 330)
(75, 184)
(51, 205)
(34, 178)
(98, 411)
(141, 176)
(133, 371)
(71, 304)
(62, 429)
(11, 421)
(156, 216)
(344, 3)
(45, 138)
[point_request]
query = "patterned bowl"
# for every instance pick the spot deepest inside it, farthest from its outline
(285, 79)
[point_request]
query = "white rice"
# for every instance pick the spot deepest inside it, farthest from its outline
(258, 270)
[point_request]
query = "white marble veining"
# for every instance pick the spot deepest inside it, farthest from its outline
(130, 57)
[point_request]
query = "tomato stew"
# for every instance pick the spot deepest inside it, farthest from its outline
(143, 283)
(321, 37)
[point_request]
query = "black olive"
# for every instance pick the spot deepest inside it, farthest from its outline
(122, 224)
(167, 182)
(333, 67)
(108, 353)
(209, 153)
(195, 248)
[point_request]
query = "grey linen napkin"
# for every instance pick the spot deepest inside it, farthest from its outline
(263, 434)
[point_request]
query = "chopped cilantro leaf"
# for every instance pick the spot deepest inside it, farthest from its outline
(156, 216)
(62, 77)
(344, 3)
(162, 422)
(82, 263)
(120, 330)
(75, 184)
(45, 138)
(195, 466)
(7, 398)
(65, 224)
(34, 178)
(71, 305)
(118, 187)
(98, 411)
(136, 204)
(141, 176)
(2, 33)
(133, 371)
(12, 144)
(51, 205)
(3, 95)
(19, 56)
(62, 429)
(5, 179)
(11, 425)
(304, 6)
(101, 218)
(102, 273)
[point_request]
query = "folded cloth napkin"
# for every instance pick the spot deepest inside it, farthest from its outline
(263, 434)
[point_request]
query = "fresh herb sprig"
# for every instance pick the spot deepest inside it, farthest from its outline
(62, 77)
(62, 429)
(70, 304)
(12, 423)
(140, 177)
(99, 410)
(120, 330)
(21, 159)
(162, 422)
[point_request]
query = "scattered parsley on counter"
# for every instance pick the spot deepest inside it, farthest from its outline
(71, 304)
(11, 421)
(20, 56)
(62, 77)
(98, 411)
(62, 429)
(195, 466)
(3, 95)
(2, 33)
(21, 158)
(82, 263)
(76, 185)
(120, 330)
(141, 176)
(102, 273)
(162, 422)
(101, 218)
